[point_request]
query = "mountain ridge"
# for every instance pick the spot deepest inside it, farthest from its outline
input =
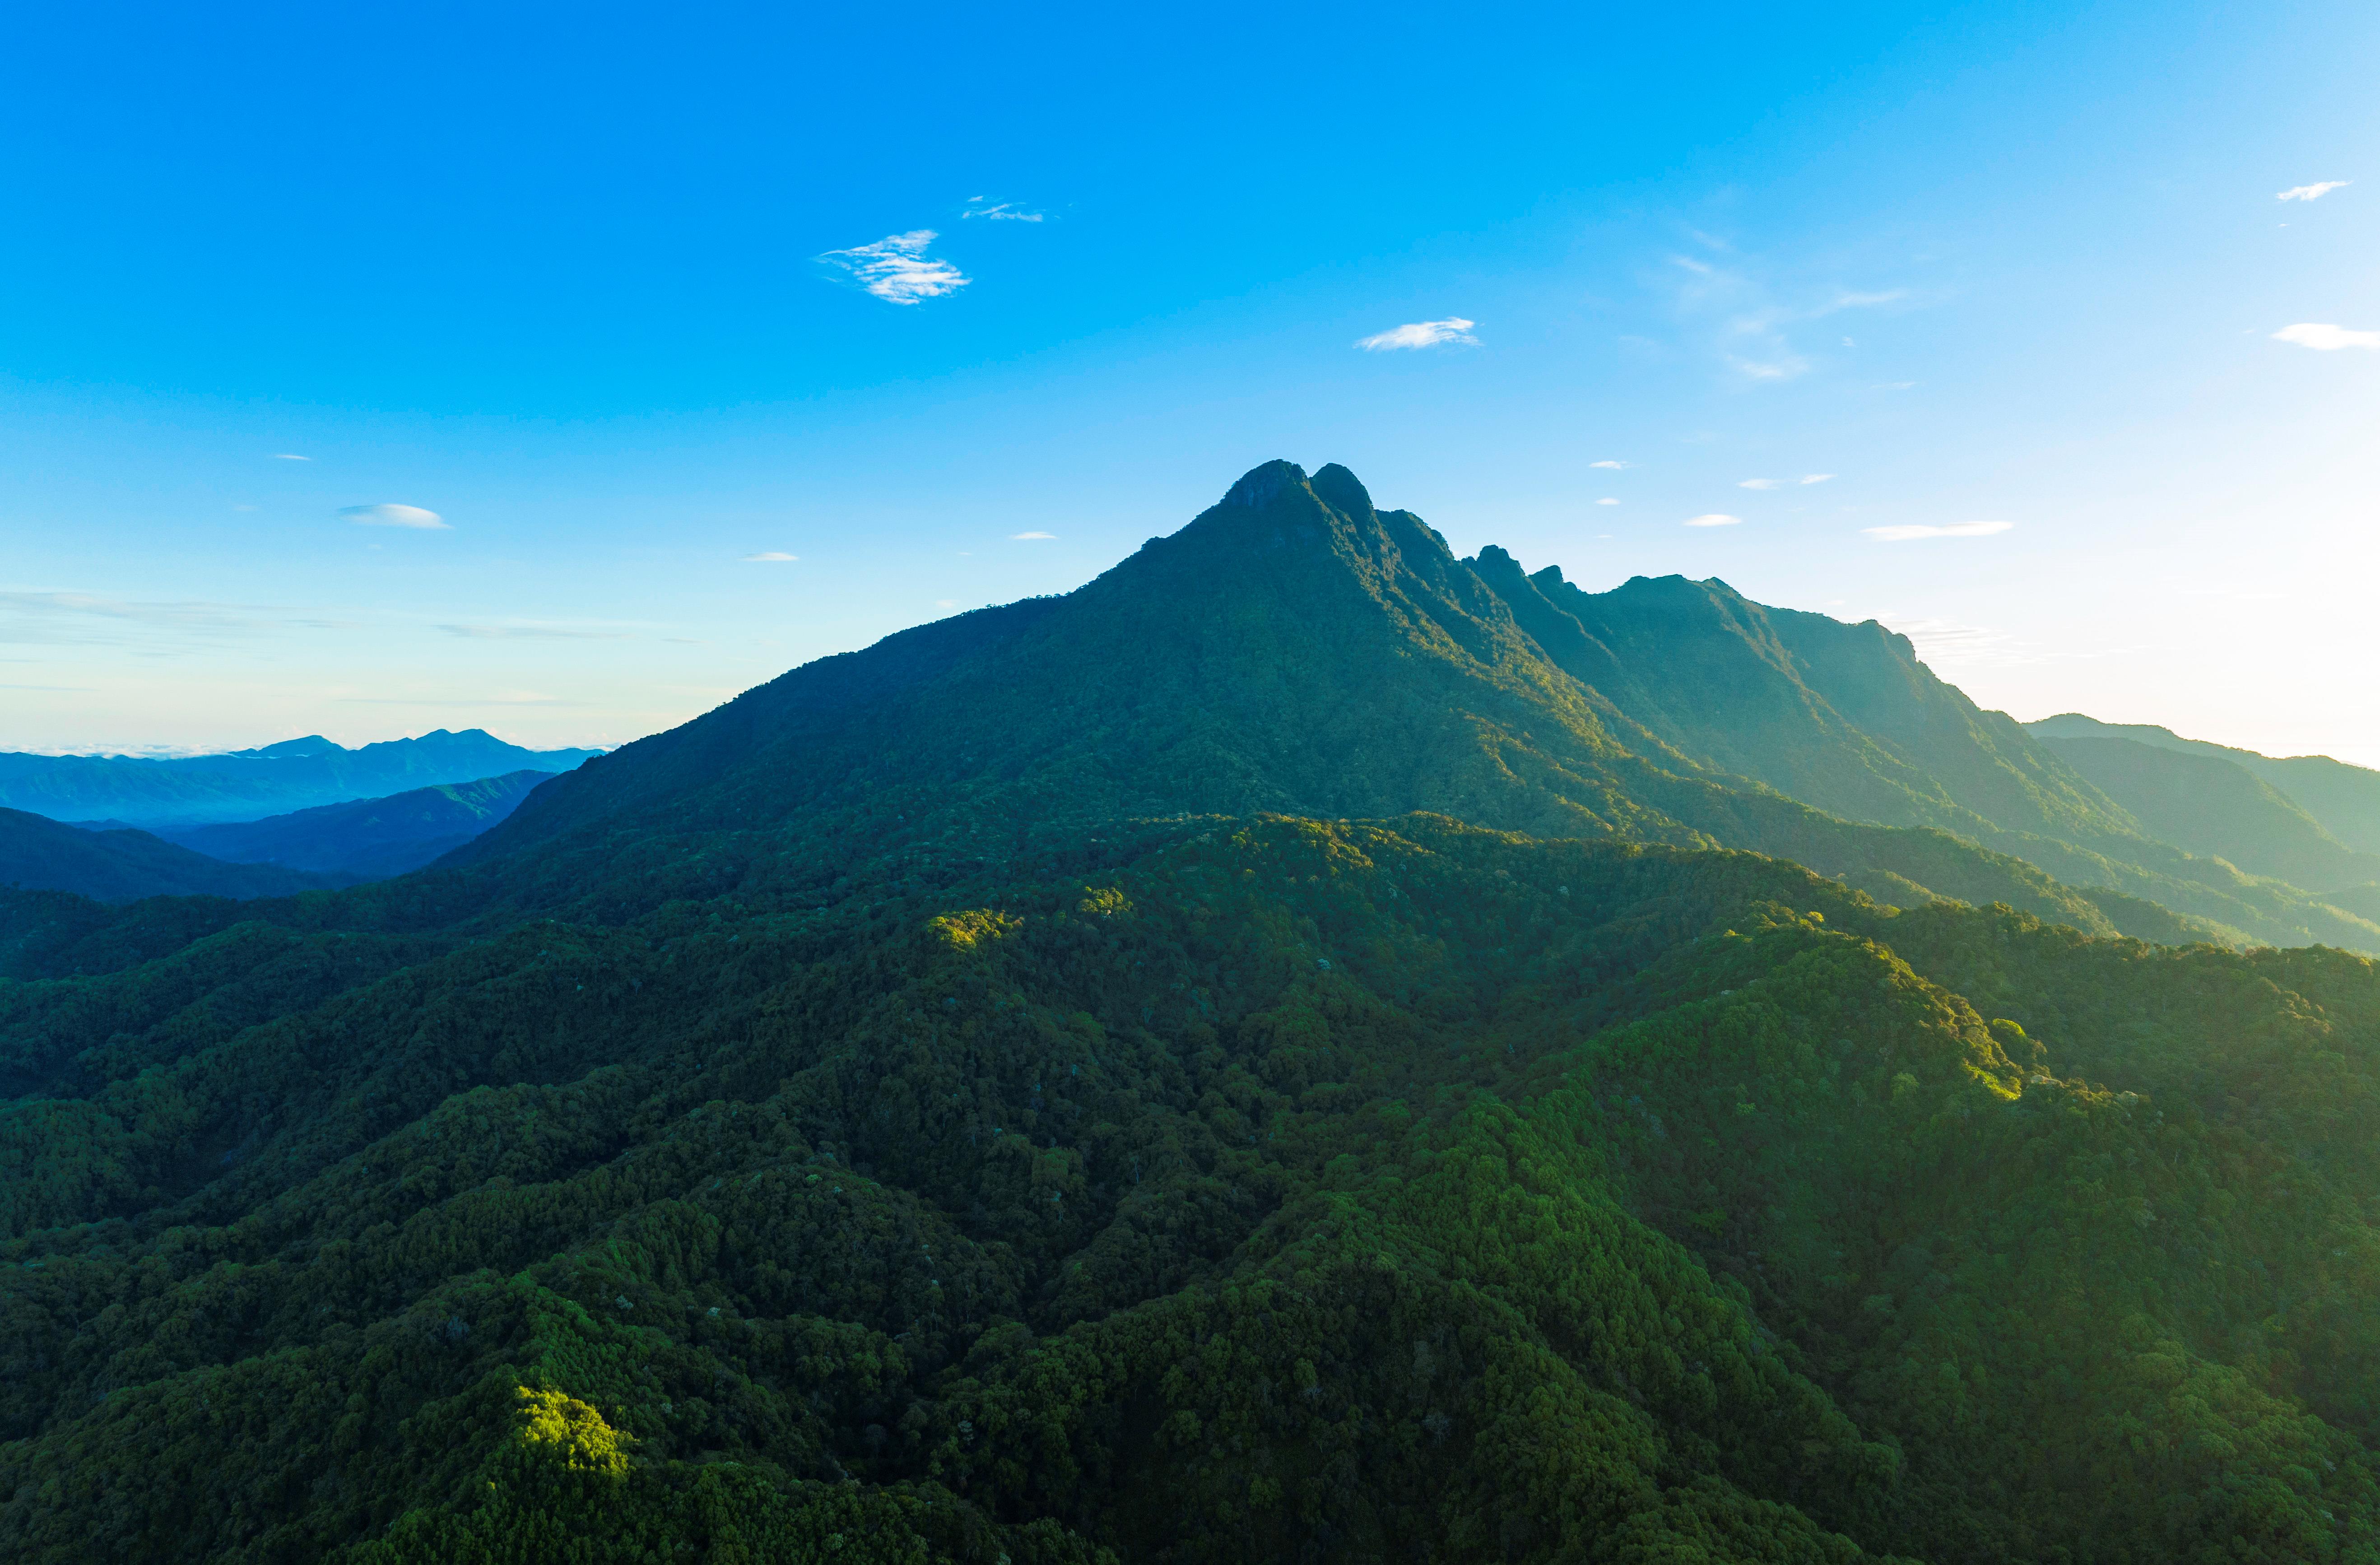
(124, 864)
(2342, 797)
(372, 839)
(1416, 688)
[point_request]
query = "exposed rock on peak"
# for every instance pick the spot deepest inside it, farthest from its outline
(1260, 484)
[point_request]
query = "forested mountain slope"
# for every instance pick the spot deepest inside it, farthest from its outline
(1846, 717)
(1838, 715)
(1282, 1190)
(120, 866)
(2213, 805)
(2345, 799)
(368, 838)
(1292, 649)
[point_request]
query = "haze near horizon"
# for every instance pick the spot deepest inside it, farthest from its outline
(570, 382)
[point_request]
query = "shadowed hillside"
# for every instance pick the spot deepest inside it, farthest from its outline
(121, 866)
(370, 838)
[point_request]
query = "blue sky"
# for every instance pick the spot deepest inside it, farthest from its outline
(588, 288)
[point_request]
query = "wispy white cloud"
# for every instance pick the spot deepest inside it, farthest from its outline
(1748, 319)
(1946, 643)
(2325, 339)
(1903, 533)
(289, 456)
(67, 618)
(1615, 467)
(500, 699)
(2313, 192)
(770, 556)
(1818, 478)
(1421, 333)
(895, 268)
(1760, 483)
(998, 211)
(389, 515)
(1715, 519)
(1849, 300)
(1026, 537)
(1607, 501)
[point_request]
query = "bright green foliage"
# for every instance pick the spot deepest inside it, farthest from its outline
(1283, 1189)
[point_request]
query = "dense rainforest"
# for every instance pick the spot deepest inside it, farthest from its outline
(1260, 1059)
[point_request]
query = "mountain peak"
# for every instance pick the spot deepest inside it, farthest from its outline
(1343, 490)
(1260, 484)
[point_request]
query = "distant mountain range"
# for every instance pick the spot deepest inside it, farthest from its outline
(307, 850)
(2342, 800)
(245, 785)
(123, 864)
(367, 839)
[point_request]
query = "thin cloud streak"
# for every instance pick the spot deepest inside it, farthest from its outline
(88, 619)
(1002, 211)
(895, 268)
(2324, 338)
(1715, 519)
(391, 515)
(1029, 537)
(1902, 534)
(769, 556)
(2313, 192)
(533, 633)
(1421, 333)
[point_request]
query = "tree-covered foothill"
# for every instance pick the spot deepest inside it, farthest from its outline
(1290, 1189)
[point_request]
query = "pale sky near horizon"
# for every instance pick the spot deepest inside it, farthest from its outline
(567, 372)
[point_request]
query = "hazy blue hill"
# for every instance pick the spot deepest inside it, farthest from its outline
(2211, 804)
(370, 839)
(2344, 799)
(245, 785)
(39, 853)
